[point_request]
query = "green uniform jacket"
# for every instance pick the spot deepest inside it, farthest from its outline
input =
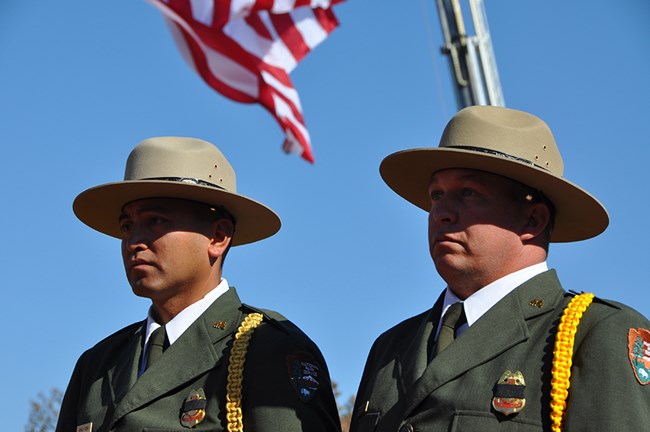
(279, 389)
(454, 392)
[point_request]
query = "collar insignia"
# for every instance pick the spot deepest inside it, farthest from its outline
(221, 325)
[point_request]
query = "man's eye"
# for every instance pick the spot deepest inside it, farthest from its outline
(436, 195)
(467, 192)
(125, 226)
(157, 220)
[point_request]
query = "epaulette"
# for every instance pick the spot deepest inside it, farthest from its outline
(267, 316)
(598, 300)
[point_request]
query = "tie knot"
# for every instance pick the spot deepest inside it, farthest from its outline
(158, 337)
(451, 321)
(157, 344)
(452, 318)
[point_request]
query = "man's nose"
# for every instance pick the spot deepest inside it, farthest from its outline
(135, 239)
(443, 211)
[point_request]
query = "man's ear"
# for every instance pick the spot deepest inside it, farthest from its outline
(538, 216)
(222, 231)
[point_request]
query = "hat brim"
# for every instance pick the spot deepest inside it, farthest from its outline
(578, 215)
(101, 206)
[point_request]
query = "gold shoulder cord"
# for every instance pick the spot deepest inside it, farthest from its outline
(562, 354)
(236, 371)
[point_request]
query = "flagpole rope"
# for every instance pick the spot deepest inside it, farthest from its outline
(234, 417)
(436, 69)
(562, 354)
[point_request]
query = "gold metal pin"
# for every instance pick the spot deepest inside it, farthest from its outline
(221, 325)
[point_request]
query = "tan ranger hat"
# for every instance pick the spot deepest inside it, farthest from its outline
(507, 142)
(176, 167)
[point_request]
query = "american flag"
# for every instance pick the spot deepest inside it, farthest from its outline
(245, 49)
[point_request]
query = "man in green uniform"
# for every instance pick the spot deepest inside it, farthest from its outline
(201, 359)
(490, 355)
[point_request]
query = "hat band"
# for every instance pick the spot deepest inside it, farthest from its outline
(186, 180)
(498, 153)
(196, 181)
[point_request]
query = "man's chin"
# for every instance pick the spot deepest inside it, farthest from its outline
(141, 289)
(447, 264)
(443, 256)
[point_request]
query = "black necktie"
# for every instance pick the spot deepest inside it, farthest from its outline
(453, 319)
(156, 345)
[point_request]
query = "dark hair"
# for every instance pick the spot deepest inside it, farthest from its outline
(536, 196)
(210, 213)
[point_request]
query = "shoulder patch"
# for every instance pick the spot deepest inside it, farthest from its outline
(304, 375)
(638, 343)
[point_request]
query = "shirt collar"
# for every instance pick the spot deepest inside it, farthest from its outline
(181, 322)
(481, 301)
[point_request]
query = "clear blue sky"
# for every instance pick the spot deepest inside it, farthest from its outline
(82, 82)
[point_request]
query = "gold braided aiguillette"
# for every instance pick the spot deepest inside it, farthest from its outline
(236, 371)
(561, 372)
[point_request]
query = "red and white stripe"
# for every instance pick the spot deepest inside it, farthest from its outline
(245, 49)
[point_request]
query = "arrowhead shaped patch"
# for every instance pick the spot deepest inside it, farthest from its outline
(639, 352)
(304, 375)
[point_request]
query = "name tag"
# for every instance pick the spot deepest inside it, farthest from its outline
(88, 427)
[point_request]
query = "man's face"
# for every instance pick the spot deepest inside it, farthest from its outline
(165, 248)
(475, 224)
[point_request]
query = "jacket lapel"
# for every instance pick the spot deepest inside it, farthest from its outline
(413, 360)
(481, 342)
(188, 357)
(125, 373)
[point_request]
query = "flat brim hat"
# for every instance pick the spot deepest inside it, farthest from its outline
(176, 167)
(506, 142)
